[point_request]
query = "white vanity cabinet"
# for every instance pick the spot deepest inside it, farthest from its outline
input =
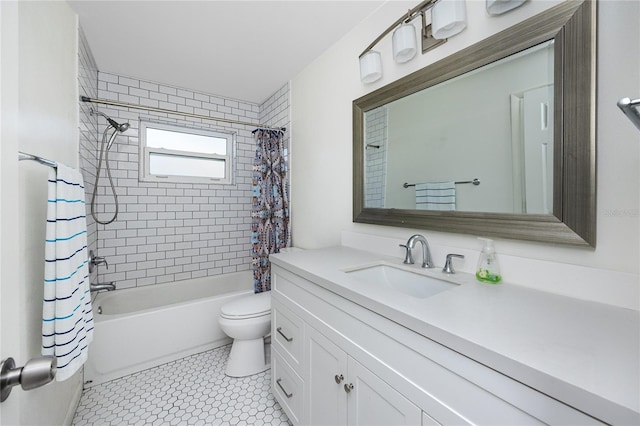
(341, 391)
(335, 362)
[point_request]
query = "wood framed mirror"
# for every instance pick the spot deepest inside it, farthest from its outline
(571, 28)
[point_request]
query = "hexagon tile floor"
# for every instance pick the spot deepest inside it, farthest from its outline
(191, 391)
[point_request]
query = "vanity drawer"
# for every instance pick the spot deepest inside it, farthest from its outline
(287, 387)
(287, 334)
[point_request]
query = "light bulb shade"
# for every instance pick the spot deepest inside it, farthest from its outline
(404, 43)
(498, 7)
(370, 67)
(448, 18)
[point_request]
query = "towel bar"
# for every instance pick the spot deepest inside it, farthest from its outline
(630, 109)
(24, 156)
(475, 181)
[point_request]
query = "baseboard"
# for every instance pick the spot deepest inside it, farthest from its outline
(73, 405)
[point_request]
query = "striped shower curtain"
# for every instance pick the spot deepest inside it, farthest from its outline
(270, 229)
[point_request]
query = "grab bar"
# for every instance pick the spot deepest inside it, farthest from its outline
(475, 181)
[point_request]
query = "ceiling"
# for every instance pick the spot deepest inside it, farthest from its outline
(245, 50)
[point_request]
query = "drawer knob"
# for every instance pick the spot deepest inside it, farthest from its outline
(288, 339)
(287, 394)
(339, 378)
(348, 387)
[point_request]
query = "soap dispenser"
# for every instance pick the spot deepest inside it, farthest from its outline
(488, 270)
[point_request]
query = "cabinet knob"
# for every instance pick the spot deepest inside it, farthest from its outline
(339, 378)
(348, 387)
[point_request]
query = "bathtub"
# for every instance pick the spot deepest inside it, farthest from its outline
(140, 328)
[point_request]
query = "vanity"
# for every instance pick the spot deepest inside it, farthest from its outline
(349, 347)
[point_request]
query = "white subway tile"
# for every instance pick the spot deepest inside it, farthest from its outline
(148, 86)
(125, 81)
(195, 229)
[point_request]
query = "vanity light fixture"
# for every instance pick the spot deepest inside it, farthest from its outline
(370, 66)
(452, 20)
(498, 7)
(448, 18)
(404, 43)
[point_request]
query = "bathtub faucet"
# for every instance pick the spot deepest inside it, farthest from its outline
(105, 286)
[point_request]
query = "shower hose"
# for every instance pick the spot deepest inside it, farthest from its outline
(104, 154)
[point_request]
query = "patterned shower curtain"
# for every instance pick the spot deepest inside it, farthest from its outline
(270, 213)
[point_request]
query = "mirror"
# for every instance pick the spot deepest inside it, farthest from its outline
(451, 130)
(417, 143)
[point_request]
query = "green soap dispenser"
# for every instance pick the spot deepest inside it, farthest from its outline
(488, 270)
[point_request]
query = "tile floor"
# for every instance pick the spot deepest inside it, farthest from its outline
(190, 391)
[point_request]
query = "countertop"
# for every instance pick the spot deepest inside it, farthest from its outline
(583, 353)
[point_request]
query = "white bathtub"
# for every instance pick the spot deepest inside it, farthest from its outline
(144, 327)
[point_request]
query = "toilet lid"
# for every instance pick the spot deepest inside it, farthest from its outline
(248, 306)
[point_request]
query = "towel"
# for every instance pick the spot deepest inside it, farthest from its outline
(67, 317)
(436, 196)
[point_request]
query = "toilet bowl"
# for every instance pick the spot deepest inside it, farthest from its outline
(247, 320)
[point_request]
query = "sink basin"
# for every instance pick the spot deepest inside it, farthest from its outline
(411, 283)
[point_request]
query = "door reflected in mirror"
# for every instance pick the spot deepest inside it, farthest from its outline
(494, 124)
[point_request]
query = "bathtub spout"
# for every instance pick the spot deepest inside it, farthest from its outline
(106, 286)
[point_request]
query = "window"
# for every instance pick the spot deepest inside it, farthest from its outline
(170, 153)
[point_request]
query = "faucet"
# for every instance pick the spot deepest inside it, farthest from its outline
(448, 265)
(104, 286)
(426, 252)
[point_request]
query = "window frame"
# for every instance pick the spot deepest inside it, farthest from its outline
(145, 154)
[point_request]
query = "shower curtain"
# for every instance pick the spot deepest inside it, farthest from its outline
(270, 229)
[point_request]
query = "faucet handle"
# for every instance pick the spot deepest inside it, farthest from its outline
(96, 260)
(99, 260)
(408, 258)
(448, 265)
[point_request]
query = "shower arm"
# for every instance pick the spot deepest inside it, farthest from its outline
(119, 127)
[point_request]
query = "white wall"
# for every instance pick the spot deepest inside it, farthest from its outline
(39, 116)
(322, 162)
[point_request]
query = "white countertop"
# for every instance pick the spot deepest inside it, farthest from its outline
(583, 353)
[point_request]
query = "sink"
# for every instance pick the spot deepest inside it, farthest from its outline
(408, 282)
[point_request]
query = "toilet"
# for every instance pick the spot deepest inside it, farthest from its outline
(247, 320)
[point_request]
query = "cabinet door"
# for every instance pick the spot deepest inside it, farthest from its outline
(373, 402)
(327, 370)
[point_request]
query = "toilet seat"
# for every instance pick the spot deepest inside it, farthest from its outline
(248, 306)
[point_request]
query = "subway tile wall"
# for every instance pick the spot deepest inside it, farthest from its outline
(171, 232)
(376, 157)
(88, 132)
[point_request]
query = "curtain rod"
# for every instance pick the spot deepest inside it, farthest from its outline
(24, 156)
(184, 114)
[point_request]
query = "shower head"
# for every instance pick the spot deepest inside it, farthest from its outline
(119, 127)
(122, 128)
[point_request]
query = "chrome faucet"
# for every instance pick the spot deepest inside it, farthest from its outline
(105, 286)
(448, 265)
(426, 251)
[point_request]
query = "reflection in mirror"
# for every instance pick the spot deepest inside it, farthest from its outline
(494, 124)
